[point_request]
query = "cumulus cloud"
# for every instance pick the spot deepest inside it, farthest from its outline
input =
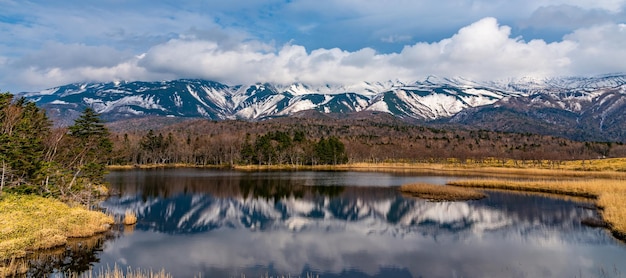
(483, 50)
(598, 49)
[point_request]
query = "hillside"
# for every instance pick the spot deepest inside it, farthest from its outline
(587, 109)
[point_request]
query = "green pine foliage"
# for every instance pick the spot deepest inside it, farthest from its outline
(24, 130)
(37, 159)
(331, 151)
(279, 147)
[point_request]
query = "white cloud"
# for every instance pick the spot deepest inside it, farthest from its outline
(484, 50)
(599, 49)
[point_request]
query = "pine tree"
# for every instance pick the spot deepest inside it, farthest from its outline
(25, 127)
(92, 147)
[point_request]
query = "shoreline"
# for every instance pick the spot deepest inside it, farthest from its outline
(595, 168)
(29, 223)
(609, 195)
(568, 179)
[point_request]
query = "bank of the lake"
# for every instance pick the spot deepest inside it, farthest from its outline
(598, 168)
(29, 223)
(610, 194)
(601, 179)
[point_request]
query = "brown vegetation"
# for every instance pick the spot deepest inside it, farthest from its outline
(117, 272)
(203, 142)
(610, 194)
(29, 223)
(129, 218)
(434, 192)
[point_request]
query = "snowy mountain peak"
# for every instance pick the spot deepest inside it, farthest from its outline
(434, 98)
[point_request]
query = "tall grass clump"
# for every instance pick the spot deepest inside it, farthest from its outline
(130, 218)
(117, 272)
(441, 192)
(29, 223)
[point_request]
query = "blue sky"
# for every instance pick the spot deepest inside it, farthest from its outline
(51, 43)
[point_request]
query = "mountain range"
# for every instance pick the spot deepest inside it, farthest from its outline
(579, 108)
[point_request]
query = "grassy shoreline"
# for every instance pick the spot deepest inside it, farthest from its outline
(600, 168)
(580, 173)
(29, 223)
(610, 195)
(438, 193)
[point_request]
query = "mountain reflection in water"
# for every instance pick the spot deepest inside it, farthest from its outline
(349, 224)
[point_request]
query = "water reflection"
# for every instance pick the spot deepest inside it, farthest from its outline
(77, 256)
(224, 224)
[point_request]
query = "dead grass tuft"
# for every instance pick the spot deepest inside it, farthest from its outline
(117, 272)
(130, 218)
(441, 192)
(14, 268)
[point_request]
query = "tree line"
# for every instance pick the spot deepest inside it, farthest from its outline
(303, 141)
(67, 163)
(271, 148)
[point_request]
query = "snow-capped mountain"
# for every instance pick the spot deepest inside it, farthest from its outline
(578, 108)
(199, 98)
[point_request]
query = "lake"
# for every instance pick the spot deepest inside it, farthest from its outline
(221, 223)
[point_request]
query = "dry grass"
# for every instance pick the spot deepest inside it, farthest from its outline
(490, 169)
(29, 223)
(614, 211)
(609, 168)
(130, 218)
(13, 268)
(158, 166)
(602, 168)
(441, 192)
(610, 194)
(117, 272)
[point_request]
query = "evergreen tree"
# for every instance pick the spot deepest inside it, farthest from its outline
(330, 151)
(247, 151)
(91, 147)
(25, 127)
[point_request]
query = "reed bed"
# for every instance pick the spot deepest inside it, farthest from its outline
(117, 272)
(13, 268)
(29, 223)
(491, 169)
(434, 192)
(608, 168)
(610, 194)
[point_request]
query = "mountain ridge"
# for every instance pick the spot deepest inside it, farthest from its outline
(594, 105)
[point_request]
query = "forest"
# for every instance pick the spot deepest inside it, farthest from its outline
(314, 141)
(36, 158)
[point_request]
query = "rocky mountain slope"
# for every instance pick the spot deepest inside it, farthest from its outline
(590, 108)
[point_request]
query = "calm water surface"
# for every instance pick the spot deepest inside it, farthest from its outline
(345, 224)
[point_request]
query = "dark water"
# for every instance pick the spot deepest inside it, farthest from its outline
(345, 224)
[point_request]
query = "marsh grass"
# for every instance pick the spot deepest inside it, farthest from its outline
(434, 192)
(610, 194)
(117, 272)
(494, 169)
(13, 267)
(130, 218)
(29, 223)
